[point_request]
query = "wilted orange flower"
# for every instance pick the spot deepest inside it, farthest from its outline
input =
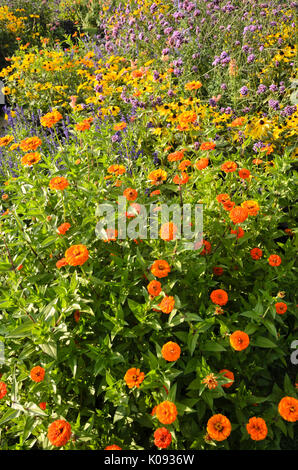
(134, 377)
(274, 260)
(288, 409)
(193, 85)
(62, 229)
(256, 253)
(61, 262)
(181, 179)
(157, 177)
(219, 297)
(154, 288)
(59, 432)
(76, 255)
(229, 167)
(130, 194)
(160, 268)
(3, 390)
(59, 183)
(238, 214)
(252, 207)
(171, 351)
(210, 381)
(166, 412)
(162, 438)
(113, 447)
(37, 374)
(4, 197)
(168, 231)
(239, 340)
(76, 316)
(175, 156)
(202, 163)
(244, 174)
(217, 270)
(281, 308)
(207, 146)
(50, 119)
(233, 68)
(112, 235)
(227, 373)
(257, 428)
(31, 143)
(30, 158)
(6, 140)
(219, 427)
(167, 304)
(43, 405)
(120, 126)
(239, 232)
(206, 247)
(117, 169)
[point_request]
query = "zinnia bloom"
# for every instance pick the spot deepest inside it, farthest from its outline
(251, 206)
(37, 374)
(6, 140)
(168, 231)
(175, 156)
(76, 255)
(166, 412)
(171, 351)
(257, 428)
(154, 288)
(59, 183)
(288, 409)
(134, 377)
(59, 432)
(113, 447)
(120, 126)
(219, 297)
(30, 144)
(61, 262)
(207, 146)
(224, 197)
(239, 232)
(130, 194)
(202, 163)
(256, 253)
(244, 174)
(62, 229)
(162, 438)
(43, 405)
(30, 158)
(219, 427)
(3, 390)
(160, 268)
(181, 179)
(229, 167)
(239, 340)
(157, 177)
(217, 271)
(50, 119)
(274, 260)
(167, 304)
(227, 373)
(117, 169)
(193, 85)
(281, 308)
(210, 381)
(238, 214)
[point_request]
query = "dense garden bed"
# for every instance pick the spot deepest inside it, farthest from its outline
(142, 342)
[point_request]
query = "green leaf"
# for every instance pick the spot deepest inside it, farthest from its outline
(50, 349)
(9, 415)
(212, 346)
(263, 342)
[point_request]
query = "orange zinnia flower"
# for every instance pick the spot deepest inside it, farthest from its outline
(256, 253)
(160, 268)
(113, 447)
(134, 377)
(162, 438)
(229, 167)
(37, 374)
(171, 351)
(238, 122)
(239, 340)
(288, 409)
(117, 169)
(31, 143)
(59, 183)
(281, 308)
(6, 140)
(238, 214)
(59, 432)
(239, 232)
(175, 156)
(202, 163)
(252, 207)
(155, 193)
(43, 405)
(207, 146)
(76, 316)
(166, 412)
(219, 427)
(167, 304)
(193, 85)
(181, 179)
(50, 119)
(217, 271)
(76, 255)
(227, 373)
(223, 198)
(62, 229)
(61, 262)
(228, 206)
(168, 231)
(244, 174)
(120, 126)
(219, 297)
(3, 390)
(30, 158)
(274, 260)
(83, 126)
(210, 381)
(257, 429)
(154, 288)
(184, 164)
(130, 194)
(157, 177)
